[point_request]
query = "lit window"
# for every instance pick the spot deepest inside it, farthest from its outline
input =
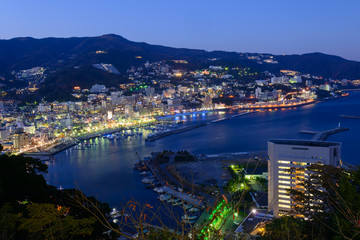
(283, 186)
(284, 162)
(283, 191)
(282, 167)
(284, 182)
(284, 196)
(284, 177)
(284, 206)
(300, 163)
(284, 201)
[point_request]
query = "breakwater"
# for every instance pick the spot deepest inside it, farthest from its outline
(169, 132)
(353, 117)
(323, 135)
(274, 105)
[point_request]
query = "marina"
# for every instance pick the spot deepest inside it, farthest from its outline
(168, 193)
(109, 165)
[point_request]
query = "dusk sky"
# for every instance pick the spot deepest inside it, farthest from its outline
(277, 27)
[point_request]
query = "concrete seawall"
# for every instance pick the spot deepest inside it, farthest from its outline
(323, 135)
(167, 133)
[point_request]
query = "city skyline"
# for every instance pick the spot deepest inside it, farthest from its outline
(276, 28)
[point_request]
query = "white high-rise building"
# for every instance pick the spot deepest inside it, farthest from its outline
(294, 155)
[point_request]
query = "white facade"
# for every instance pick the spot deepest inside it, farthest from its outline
(295, 154)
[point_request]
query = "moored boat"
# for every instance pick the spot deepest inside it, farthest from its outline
(147, 180)
(158, 190)
(164, 197)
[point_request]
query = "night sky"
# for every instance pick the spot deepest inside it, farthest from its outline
(264, 26)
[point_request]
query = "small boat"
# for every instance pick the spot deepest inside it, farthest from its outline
(194, 209)
(144, 173)
(79, 147)
(186, 217)
(187, 206)
(164, 197)
(188, 221)
(147, 180)
(158, 190)
(114, 213)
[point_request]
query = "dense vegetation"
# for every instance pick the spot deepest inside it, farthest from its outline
(32, 209)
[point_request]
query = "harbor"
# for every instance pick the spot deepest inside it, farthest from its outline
(245, 134)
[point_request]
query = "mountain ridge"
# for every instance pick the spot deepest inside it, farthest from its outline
(26, 52)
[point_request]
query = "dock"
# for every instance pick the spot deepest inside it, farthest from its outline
(183, 196)
(323, 135)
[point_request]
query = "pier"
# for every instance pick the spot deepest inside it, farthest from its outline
(323, 135)
(183, 129)
(353, 117)
(183, 196)
(167, 133)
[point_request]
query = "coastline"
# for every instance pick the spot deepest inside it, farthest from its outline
(58, 148)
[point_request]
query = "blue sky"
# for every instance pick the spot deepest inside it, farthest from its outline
(277, 26)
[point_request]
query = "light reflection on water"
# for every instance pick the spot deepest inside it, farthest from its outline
(106, 169)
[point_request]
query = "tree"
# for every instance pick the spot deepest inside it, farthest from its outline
(47, 221)
(20, 179)
(8, 222)
(286, 228)
(31, 209)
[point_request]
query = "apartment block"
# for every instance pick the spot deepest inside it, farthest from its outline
(288, 160)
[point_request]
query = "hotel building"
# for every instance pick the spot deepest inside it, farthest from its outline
(294, 155)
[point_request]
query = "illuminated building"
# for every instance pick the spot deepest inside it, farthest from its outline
(19, 140)
(287, 168)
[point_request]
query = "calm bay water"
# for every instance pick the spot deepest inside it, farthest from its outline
(106, 170)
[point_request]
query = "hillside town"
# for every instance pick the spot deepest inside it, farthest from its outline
(153, 89)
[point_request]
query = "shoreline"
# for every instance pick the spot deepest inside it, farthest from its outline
(52, 151)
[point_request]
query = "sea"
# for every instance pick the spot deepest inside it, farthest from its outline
(106, 169)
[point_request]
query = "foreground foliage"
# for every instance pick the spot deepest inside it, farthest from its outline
(32, 209)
